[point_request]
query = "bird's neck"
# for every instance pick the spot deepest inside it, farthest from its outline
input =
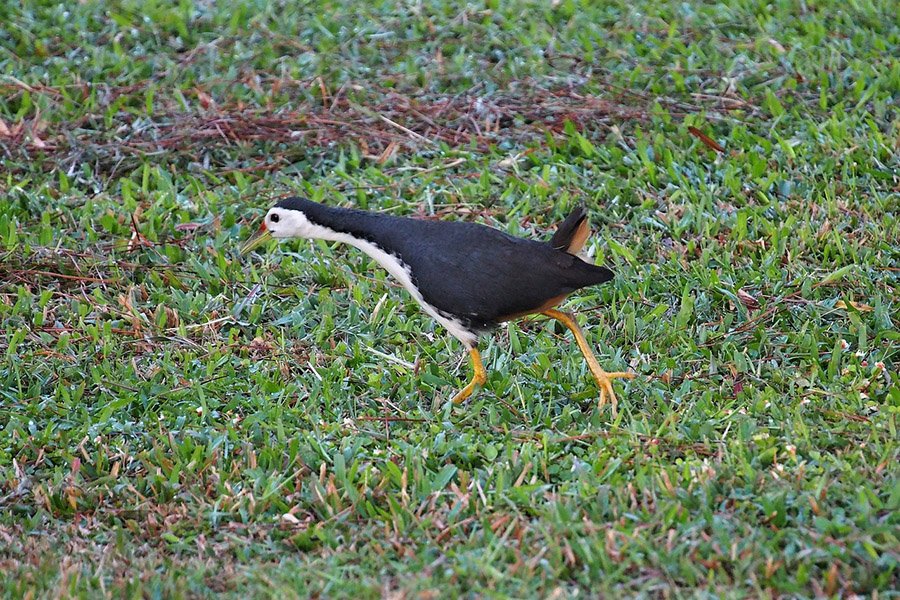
(335, 224)
(363, 230)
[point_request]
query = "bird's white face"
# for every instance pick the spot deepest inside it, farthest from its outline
(284, 223)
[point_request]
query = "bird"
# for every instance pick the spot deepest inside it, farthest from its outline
(469, 277)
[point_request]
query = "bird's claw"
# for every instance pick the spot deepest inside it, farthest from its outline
(604, 382)
(464, 393)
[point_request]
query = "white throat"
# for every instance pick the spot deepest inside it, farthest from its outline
(399, 271)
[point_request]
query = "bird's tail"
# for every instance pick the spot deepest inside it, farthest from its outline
(572, 233)
(570, 237)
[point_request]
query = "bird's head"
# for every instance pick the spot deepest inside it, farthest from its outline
(287, 219)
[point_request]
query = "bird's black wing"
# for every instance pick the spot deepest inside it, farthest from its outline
(482, 275)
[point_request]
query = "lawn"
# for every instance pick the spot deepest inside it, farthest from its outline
(178, 420)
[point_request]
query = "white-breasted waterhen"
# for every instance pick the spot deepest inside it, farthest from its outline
(469, 277)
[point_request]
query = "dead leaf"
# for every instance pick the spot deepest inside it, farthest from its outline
(388, 153)
(747, 299)
(36, 129)
(708, 141)
(172, 319)
(4, 130)
(831, 580)
(206, 101)
(323, 90)
(187, 226)
(777, 45)
(857, 305)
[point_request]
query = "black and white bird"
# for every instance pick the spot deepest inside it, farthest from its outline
(469, 277)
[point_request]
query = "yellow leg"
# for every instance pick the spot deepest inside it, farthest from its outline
(478, 378)
(604, 379)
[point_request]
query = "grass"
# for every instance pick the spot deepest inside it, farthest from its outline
(177, 420)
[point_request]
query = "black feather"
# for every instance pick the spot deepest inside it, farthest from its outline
(473, 272)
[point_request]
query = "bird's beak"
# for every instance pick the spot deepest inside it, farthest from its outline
(259, 238)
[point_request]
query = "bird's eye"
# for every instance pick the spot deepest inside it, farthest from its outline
(274, 218)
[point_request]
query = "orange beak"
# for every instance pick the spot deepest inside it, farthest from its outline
(259, 238)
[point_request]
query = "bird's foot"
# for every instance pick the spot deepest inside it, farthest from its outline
(478, 378)
(467, 391)
(603, 379)
(604, 382)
